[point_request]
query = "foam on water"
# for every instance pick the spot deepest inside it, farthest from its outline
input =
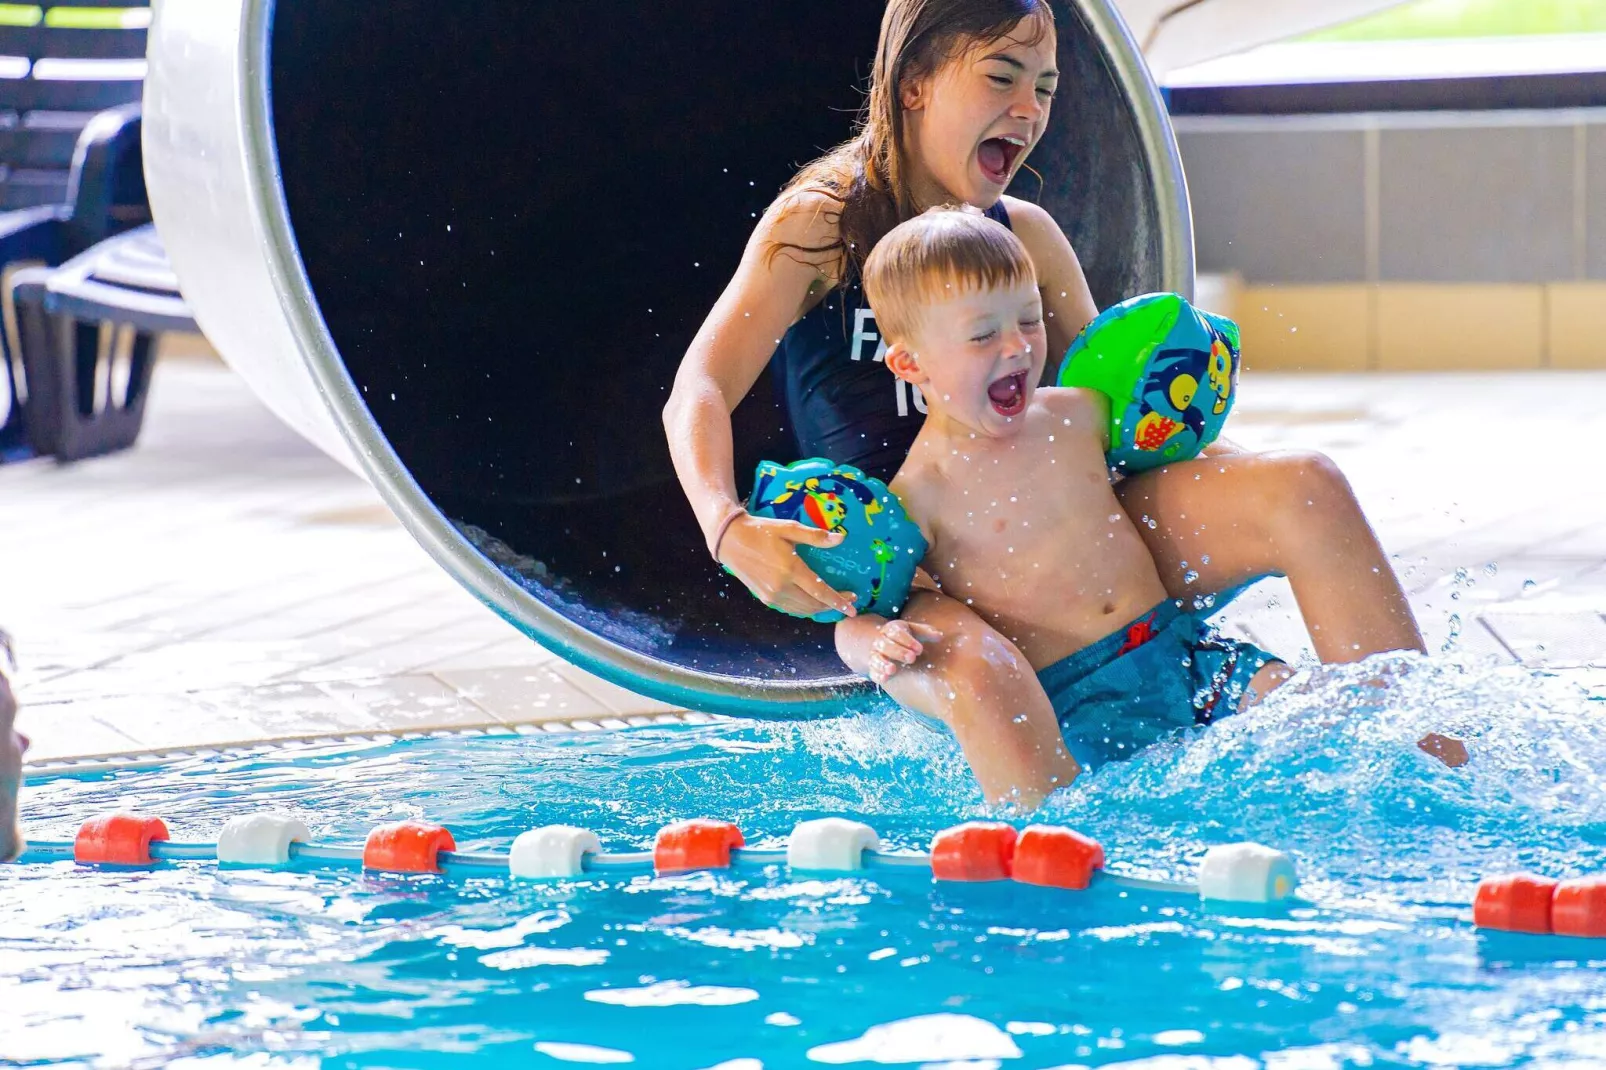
(192, 965)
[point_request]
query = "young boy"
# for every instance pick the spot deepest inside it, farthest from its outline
(1009, 484)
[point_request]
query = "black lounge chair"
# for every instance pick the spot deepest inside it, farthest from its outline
(76, 347)
(87, 332)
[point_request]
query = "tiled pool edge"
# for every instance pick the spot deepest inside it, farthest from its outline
(144, 758)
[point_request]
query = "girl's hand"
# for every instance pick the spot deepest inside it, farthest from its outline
(762, 553)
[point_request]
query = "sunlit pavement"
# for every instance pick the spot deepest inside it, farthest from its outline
(225, 583)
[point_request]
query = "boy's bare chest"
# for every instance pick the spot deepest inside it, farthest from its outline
(1003, 526)
(1045, 553)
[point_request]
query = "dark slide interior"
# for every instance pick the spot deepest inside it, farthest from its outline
(516, 213)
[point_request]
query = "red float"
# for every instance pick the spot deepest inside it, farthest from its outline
(118, 839)
(406, 847)
(1579, 907)
(1056, 857)
(700, 843)
(974, 851)
(1519, 903)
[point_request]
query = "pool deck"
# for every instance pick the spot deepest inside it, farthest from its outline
(224, 583)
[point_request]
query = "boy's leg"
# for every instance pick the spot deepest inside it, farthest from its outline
(977, 683)
(1287, 512)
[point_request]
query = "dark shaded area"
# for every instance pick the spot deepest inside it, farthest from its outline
(515, 215)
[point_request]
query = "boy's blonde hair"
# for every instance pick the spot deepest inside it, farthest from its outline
(944, 251)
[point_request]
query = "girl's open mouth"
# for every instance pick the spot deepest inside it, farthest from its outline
(997, 156)
(1008, 395)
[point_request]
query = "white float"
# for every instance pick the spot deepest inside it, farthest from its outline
(552, 851)
(260, 839)
(1246, 873)
(830, 844)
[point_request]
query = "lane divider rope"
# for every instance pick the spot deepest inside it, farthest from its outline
(1043, 855)
(976, 851)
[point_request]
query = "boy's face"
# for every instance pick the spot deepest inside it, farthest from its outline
(977, 357)
(971, 125)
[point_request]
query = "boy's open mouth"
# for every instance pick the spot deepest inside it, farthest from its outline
(1008, 395)
(997, 156)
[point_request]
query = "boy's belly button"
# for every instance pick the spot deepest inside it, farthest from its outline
(1109, 607)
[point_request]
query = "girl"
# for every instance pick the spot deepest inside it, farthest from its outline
(13, 745)
(960, 92)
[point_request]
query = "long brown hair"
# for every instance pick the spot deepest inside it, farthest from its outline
(867, 175)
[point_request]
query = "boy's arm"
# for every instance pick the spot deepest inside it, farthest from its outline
(1083, 408)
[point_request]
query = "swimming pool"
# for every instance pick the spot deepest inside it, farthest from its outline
(191, 965)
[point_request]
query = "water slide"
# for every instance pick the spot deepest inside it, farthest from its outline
(1179, 33)
(463, 249)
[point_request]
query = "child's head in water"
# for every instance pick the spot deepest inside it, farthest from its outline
(955, 296)
(959, 95)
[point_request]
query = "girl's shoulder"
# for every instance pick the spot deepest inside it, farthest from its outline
(805, 223)
(1030, 221)
(803, 215)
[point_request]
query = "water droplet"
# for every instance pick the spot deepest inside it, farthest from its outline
(1189, 576)
(1528, 585)
(1019, 719)
(1490, 569)
(1205, 560)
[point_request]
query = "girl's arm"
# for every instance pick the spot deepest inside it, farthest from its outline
(737, 339)
(1067, 302)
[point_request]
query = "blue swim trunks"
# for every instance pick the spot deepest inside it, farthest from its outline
(1166, 670)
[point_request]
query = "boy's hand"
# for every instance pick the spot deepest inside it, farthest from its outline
(898, 643)
(1447, 749)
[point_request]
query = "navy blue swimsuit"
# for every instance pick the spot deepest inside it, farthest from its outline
(839, 398)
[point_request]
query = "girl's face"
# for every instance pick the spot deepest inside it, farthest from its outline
(969, 126)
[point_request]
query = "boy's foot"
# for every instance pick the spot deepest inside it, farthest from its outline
(1447, 749)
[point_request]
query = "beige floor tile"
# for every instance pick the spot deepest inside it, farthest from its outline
(1467, 637)
(294, 710)
(525, 695)
(615, 698)
(410, 703)
(64, 731)
(1541, 638)
(517, 652)
(164, 722)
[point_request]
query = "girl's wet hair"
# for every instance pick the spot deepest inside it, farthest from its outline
(868, 175)
(930, 257)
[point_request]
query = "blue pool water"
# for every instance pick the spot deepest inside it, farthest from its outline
(189, 965)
